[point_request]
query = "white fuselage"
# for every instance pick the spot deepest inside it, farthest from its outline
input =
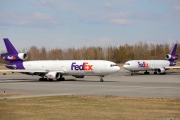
(145, 65)
(74, 67)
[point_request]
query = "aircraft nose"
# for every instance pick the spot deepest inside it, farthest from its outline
(117, 68)
(125, 67)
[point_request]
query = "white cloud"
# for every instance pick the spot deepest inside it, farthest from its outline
(122, 21)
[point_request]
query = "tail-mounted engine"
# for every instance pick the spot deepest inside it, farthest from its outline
(14, 57)
(171, 57)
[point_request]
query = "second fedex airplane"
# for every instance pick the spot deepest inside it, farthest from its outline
(153, 65)
(55, 69)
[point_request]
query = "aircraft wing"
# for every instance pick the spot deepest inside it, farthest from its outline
(169, 67)
(32, 71)
(173, 67)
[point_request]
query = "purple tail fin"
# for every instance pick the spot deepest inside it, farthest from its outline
(15, 58)
(172, 56)
(12, 54)
(10, 48)
(173, 52)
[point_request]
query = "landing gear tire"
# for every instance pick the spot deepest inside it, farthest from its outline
(42, 79)
(101, 79)
(131, 74)
(146, 73)
(155, 73)
(61, 79)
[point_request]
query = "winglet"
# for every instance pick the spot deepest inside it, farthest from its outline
(10, 48)
(173, 52)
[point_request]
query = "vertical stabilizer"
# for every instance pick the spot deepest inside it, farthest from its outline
(12, 54)
(172, 56)
(10, 48)
(173, 52)
(16, 59)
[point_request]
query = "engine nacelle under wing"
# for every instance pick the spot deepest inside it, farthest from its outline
(52, 75)
(161, 70)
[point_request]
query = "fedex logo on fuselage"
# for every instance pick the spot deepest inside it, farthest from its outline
(143, 64)
(84, 66)
(11, 58)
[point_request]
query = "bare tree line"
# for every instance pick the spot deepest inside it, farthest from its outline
(120, 54)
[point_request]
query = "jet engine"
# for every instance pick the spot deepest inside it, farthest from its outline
(22, 56)
(52, 75)
(78, 76)
(14, 57)
(161, 70)
(171, 57)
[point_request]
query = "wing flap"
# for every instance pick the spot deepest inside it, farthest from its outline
(169, 67)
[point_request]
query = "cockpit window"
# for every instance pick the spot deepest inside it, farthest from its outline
(127, 63)
(112, 65)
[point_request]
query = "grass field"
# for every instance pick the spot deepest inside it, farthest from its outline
(2, 67)
(89, 108)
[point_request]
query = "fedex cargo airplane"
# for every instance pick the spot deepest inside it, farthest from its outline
(56, 69)
(158, 66)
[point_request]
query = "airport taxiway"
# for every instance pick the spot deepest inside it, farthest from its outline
(119, 84)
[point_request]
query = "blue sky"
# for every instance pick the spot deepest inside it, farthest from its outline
(79, 23)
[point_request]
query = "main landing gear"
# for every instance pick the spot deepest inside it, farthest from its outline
(146, 73)
(42, 79)
(101, 79)
(155, 72)
(47, 79)
(61, 78)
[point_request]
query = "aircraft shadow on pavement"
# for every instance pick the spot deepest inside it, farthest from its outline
(151, 74)
(83, 80)
(36, 80)
(16, 80)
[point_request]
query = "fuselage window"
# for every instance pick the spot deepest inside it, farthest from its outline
(112, 65)
(127, 63)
